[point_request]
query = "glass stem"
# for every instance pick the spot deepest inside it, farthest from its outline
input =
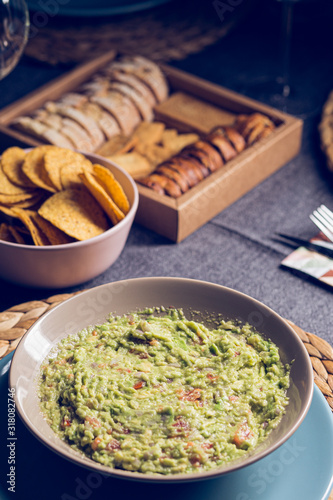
(287, 20)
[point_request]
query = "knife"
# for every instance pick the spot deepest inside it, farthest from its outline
(322, 247)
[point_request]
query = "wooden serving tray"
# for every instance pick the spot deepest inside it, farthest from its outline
(194, 105)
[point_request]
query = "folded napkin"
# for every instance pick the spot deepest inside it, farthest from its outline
(311, 263)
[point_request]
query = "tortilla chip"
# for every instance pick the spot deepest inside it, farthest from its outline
(5, 233)
(106, 178)
(149, 133)
(118, 144)
(56, 158)
(53, 234)
(176, 143)
(100, 195)
(27, 217)
(134, 163)
(17, 235)
(12, 160)
(70, 174)
(76, 213)
(8, 188)
(154, 153)
(33, 167)
(168, 136)
(10, 200)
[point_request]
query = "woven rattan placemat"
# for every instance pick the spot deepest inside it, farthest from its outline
(165, 33)
(326, 131)
(14, 322)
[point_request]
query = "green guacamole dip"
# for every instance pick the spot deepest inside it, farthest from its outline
(162, 394)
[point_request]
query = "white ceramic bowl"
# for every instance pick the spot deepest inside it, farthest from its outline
(59, 266)
(93, 306)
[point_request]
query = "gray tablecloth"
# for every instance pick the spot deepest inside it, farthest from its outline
(236, 248)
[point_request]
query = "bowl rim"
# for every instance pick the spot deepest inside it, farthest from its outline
(173, 478)
(114, 229)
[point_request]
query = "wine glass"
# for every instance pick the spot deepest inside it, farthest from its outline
(14, 29)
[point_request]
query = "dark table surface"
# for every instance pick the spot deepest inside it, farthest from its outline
(235, 248)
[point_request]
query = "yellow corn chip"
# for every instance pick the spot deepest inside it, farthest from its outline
(5, 233)
(17, 235)
(134, 163)
(69, 174)
(149, 133)
(33, 167)
(154, 153)
(12, 161)
(8, 188)
(106, 178)
(26, 216)
(118, 144)
(168, 136)
(12, 199)
(53, 234)
(76, 213)
(56, 158)
(110, 208)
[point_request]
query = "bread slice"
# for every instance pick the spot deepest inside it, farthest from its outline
(147, 71)
(223, 145)
(138, 100)
(42, 131)
(90, 125)
(134, 82)
(107, 123)
(122, 109)
(73, 99)
(77, 135)
(164, 169)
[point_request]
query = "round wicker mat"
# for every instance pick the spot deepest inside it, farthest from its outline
(14, 322)
(168, 32)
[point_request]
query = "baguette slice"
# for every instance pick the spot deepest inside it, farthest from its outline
(107, 123)
(90, 125)
(122, 109)
(77, 135)
(143, 107)
(42, 131)
(147, 71)
(134, 82)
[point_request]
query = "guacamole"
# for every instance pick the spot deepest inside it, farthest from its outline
(155, 392)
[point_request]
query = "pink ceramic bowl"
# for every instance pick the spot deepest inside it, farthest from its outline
(59, 266)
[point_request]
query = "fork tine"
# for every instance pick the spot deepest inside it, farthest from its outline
(323, 219)
(326, 212)
(321, 226)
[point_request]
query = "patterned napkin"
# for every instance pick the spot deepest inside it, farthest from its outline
(311, 263)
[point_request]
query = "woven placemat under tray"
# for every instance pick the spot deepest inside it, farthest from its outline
(14, 322)
(165, 33)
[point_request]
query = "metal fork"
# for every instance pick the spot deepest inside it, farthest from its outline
(322, 217)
